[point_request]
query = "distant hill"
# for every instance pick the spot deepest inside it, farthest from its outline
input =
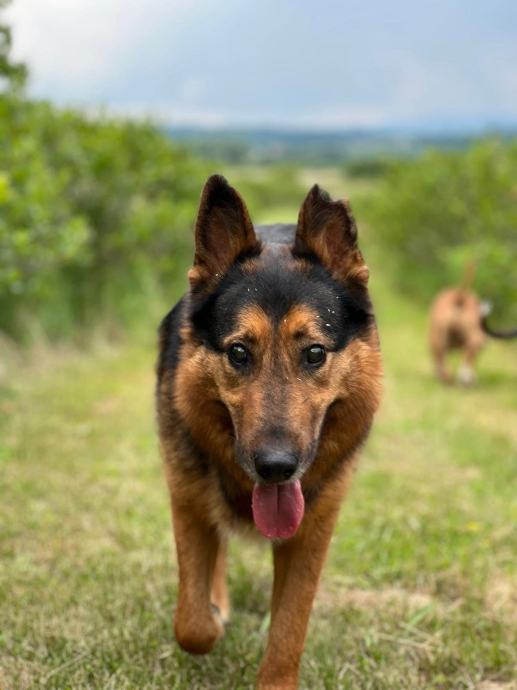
(317, 148)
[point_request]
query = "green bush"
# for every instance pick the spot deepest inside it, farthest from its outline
(434, 215)
(92, 210)
(266, 187)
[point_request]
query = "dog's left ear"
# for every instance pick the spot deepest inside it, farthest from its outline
(327, 229)
(224, 232)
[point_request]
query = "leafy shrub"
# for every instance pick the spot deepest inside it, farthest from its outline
(367, 167)
(266, 187)
(91, 210)
(435, 214)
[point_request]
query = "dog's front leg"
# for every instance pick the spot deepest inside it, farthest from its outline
(197, 627)
(297, 567)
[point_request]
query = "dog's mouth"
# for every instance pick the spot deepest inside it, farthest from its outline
(278, 509)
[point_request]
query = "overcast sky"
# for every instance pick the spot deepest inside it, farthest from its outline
(327, 64)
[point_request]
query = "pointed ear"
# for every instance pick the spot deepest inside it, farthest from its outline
(327, 229)
(223, 232)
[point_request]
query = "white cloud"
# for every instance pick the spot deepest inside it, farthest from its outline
(76, 47)
(191, 90)
(343, 116)
(184, 114)
(502, 70)
(210, 63)
(171, 113)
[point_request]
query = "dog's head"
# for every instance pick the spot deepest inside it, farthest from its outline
(282, 332)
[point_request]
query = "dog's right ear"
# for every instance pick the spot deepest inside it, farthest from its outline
(327, 230)
(224, 232)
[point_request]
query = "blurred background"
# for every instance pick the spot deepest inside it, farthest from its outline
(112, 115)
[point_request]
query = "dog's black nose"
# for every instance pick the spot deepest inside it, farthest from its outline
(275, 465)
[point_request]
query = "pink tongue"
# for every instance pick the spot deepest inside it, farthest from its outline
(278, 509)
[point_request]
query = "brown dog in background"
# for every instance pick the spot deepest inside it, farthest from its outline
(269, 375)
(458, 320)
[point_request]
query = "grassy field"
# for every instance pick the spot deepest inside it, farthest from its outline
(420, 589)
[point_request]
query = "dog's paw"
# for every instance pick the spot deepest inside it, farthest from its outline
(198, 635)
(466, 376)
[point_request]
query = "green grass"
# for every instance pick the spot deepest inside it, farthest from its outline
(420, 588)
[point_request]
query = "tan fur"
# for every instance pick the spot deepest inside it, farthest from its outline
(324, 227)
(297, 567)
(210, 491)
(455, 323)
(223, 230)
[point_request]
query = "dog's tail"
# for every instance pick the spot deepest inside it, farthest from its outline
(463, 289)
(486, 308)
(503, 335)
(469, 273)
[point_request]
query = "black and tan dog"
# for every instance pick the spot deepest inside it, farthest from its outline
(269, 375)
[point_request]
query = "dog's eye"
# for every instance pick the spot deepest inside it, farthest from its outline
(315, 355)
(238, 355)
